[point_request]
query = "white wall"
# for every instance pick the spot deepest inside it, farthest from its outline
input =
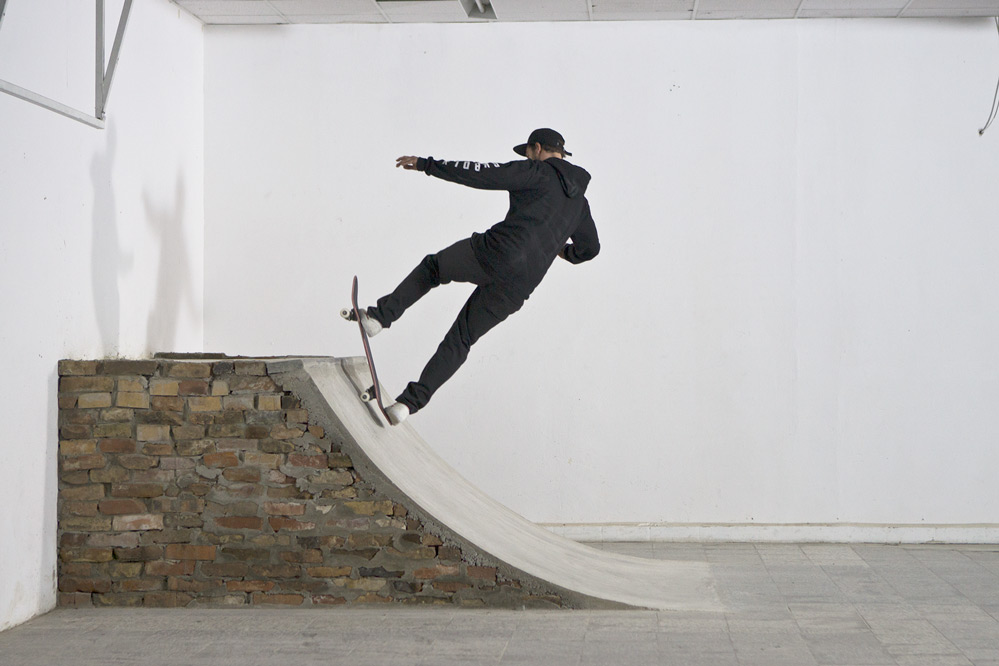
(792, 319)
(101, 239)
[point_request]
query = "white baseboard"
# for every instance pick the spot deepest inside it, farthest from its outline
(777, 533)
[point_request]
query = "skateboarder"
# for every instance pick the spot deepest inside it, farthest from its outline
(547, 210)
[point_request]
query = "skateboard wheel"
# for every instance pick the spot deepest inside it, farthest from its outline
(367, 396)
(347, 314)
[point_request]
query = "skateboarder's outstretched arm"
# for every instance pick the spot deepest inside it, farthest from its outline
(585, 243)
(517, 175)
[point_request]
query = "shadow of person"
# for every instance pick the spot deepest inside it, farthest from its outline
(174, 290)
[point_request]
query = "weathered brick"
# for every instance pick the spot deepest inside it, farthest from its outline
(69, 367)
(118, 507)
(328, 599)
(359, 540)
(137, 461)
(126, 540)
(113, 431)
(340, 460)
(77, 416)
(166, 599)
(79, 493)
(117, 415)
(133, 400)
(289, 524)
(284, 509)
(298, 416)
(281, 599)
(332, 477)
(250, 384)
(245, 554)
(212, 404)
(162, 477)
(140, 554)
(125, 367)
(439, 571)
(112, 474)
(75, 600)
(225, 569)
(167, 405)
(183, 568)
(88, 585)
(177, 463)
(274, 446)
(86, 385)
(186, 505)
(75, 431)
(79, 509)
(85, 554)
(153, 433)
(164, 387)
(242, 474)
(226, 430)
(138, 523)
(236, 444)
(119, 570)
(240, 522)
(93, 400)
(223, 368)
(188, 552)
(157, 448)
(84, 462)
(301, 460)
(317, 431)
(280, 431)
(222, 459)
(370, 508)
(304, 556)
(77, 447)
(256, 368)
(416, 554)
(482, 573)
(189, 370)
(269, 402)
(449, 553)
(249, 585)
(195, 448)
(450, 586)
(328, 572)
(67, 401)
(188, 432)
(265, 460)
(140, 585)
(132, 384)
(190, 387)
(136, 490)
(237, 403)
(117, 445)
(220, 388)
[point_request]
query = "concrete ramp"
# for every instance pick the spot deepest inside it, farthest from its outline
(401, 463)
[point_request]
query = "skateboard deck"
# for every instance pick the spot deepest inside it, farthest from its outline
(374, 393)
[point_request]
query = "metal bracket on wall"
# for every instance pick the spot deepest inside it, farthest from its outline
(103, 77)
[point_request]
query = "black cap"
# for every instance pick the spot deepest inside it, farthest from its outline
(546, 137)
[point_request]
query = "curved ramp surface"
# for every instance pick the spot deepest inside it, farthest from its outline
(585, 576)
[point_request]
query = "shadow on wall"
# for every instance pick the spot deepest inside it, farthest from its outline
(173, 283)
(107, 257)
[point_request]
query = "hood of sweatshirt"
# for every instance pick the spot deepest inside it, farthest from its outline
(574, 179)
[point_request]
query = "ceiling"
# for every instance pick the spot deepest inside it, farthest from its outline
(247, 12)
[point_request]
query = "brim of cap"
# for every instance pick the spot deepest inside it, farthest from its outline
(522, 150)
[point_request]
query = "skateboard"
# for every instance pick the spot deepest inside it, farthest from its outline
(374, 393)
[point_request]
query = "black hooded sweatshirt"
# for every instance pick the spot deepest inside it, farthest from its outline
(547, 209)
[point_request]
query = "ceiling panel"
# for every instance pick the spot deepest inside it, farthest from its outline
(450, 11)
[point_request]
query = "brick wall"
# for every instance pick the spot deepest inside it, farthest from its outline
(185, 483)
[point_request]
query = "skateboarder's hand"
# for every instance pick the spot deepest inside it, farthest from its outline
(406, 162)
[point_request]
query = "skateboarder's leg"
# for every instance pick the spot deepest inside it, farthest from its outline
(456, 263)
(487, 306)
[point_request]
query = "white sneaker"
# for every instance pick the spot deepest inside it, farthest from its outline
(397, 413)
(370, 325)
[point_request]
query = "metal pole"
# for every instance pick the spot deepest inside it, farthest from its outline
(99, 94)
(50, 104)
(125, 9)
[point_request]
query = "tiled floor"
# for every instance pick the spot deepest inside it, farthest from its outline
(797, 605)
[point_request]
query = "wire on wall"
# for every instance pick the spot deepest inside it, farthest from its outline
(995, 99)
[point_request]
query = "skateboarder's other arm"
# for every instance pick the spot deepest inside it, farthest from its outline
(585, 243)
(518, 175)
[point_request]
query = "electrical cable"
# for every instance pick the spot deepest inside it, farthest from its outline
(995, 99)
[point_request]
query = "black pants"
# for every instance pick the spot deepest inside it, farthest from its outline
(488, 305)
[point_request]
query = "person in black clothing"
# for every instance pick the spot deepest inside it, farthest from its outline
(547, 210)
